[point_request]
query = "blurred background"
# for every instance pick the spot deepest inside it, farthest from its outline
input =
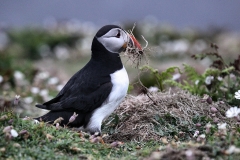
(43, 43)
(204, 14)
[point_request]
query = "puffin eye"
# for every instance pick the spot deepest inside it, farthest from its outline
(118, 35)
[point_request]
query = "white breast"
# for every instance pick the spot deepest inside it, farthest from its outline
(120, 83)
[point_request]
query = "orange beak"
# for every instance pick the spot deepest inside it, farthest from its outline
(134, 42)
(125, 45)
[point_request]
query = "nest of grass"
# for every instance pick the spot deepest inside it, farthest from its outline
(134, 52)
(169, 114)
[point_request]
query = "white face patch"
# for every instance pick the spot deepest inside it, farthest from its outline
(114, 40)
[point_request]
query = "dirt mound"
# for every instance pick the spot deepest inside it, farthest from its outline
(170, 114)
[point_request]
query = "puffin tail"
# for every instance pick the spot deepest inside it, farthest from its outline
(41, 106)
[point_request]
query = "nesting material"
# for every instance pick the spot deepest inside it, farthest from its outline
(134, 52)
(168, 114)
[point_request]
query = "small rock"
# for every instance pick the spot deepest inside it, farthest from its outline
(94, 140)
(22, 132)
(176, 137)
(17, 145)
(49, 136)
(213, 109)
(7, 129)
(209, 100)
(3, 117)
(198, 124)
(8, 136)
(75, 149)
(164, 140)
(117, 144)
(114, 144)
(3, 149)
(155, 156)
(215, 120)
(10, 121)
(173, 143)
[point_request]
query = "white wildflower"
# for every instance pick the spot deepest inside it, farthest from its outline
(47, 98)
(222, 126)
(18, 75)
(208, 127)
(28, 100)
(177, 46)
(61, 52)
(219, 78)
(176, 76)
(43, 93)
(16, 100)
(26, 118)
(153, 89)
(209, 79)
(43, 75)
(232, 149)
(196, 133)
(35, 90)
(17, 96)
(84, 44)
(203, 136)
(53, 81)
(237, 94)
(196, 82)
(1, 79)
(232, 112)
(35, 121)
(60, 87)
(232, 76)
(14, 133)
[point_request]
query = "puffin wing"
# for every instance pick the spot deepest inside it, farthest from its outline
(82, 102)
(81, 93)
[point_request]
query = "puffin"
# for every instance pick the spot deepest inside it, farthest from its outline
(96, 90)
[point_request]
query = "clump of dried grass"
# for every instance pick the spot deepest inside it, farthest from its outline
(167, 114)
(135, 54)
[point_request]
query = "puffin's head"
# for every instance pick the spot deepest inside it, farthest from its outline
(114, 39)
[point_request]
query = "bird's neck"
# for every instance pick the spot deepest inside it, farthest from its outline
(107, 60)
(100, 55)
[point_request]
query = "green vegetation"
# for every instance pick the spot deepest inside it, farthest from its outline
(219, 81)
(42, 141)
(32, 41)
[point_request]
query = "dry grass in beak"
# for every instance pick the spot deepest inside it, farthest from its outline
(135, 52)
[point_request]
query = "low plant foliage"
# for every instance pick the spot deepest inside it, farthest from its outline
(220, 81)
